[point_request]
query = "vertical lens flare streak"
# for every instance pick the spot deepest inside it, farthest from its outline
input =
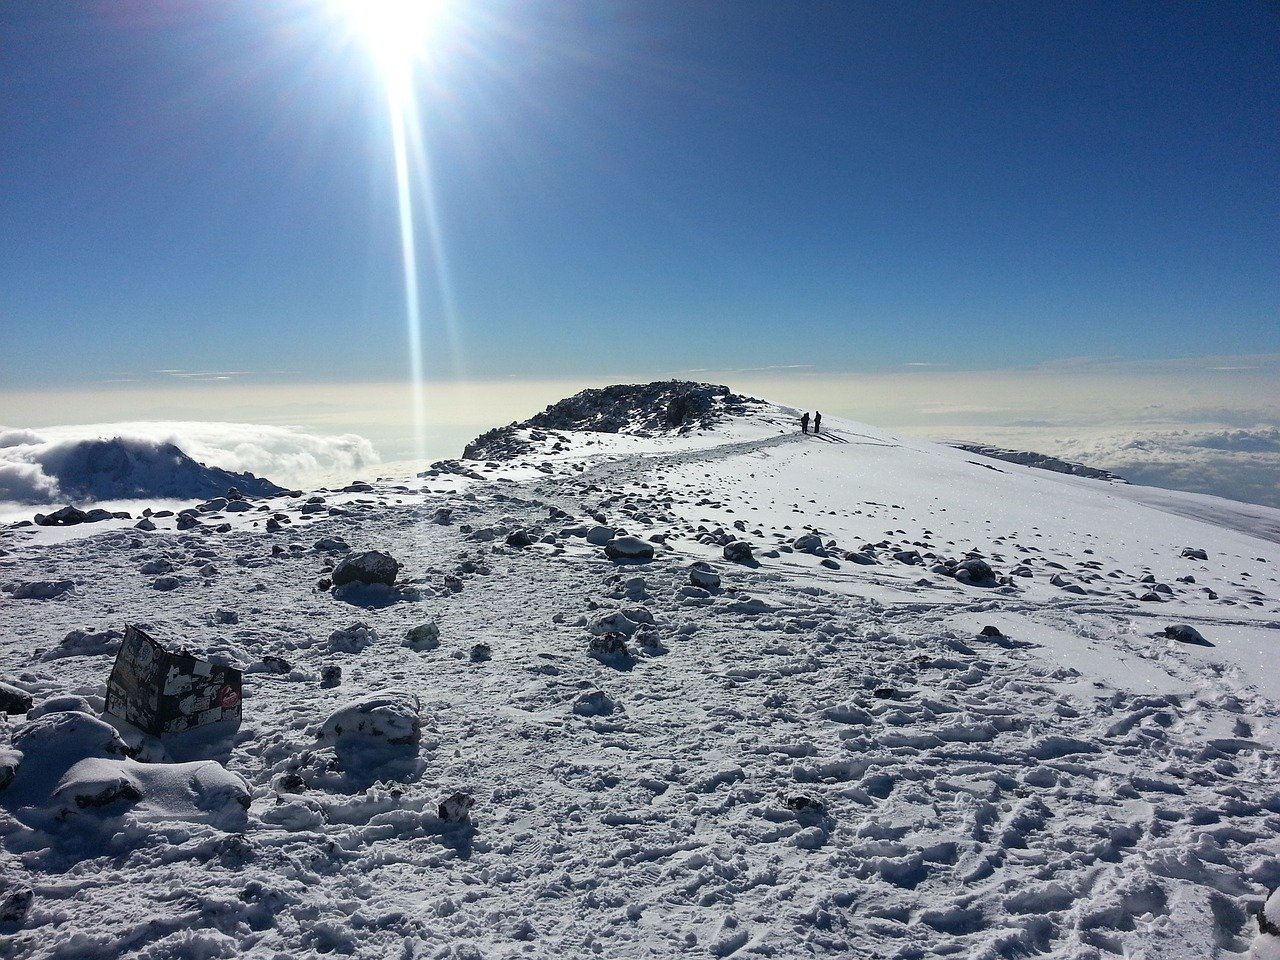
(401, 107)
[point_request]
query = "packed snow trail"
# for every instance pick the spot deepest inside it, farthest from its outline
(805, 762)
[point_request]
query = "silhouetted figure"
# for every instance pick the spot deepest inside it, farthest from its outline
(817, 421)
(804, 422)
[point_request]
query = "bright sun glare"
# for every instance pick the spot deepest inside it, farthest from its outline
(395, 32)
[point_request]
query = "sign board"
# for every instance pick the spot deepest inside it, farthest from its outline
(162, 691)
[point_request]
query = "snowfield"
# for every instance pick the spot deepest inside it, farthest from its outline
(838, 744)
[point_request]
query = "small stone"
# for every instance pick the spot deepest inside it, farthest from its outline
(456, 808)
(480, 653)
(330, 675)
(425, 636)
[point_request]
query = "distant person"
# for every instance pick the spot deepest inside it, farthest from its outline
(817, 421)
(804, 422)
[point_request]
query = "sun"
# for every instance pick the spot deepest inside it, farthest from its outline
(396, 33)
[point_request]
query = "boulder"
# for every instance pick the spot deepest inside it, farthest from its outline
(66, 703)
(974, 570)
(519, 539)
(66, 517)
(425, 636)
(352, 639)
(372, 566)
(374, 729)
(702, 575)
(41, 589)
(599, 535)
(593, 703)
(739, 551)
(15, 901)
(10, 761)
(1195, 553)
(807, 543)
(456, 808)
(628, 548)
(13, 700)
(613, 622)
(1184, 633)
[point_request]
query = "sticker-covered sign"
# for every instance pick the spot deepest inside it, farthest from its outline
(163, 691)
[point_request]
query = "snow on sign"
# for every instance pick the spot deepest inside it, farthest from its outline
(163, 691)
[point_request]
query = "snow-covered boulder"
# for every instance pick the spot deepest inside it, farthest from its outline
(352, 639)
(613, 622)
(1266, 945)
(628, 548)
(202, 791)
(374, 729)
(372, 566)
(86, 643)
(593, 703)
(61, 738)
(66, 703)
(10, 761)
(40, 589)
(425, 636)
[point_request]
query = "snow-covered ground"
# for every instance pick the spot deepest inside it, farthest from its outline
(826, 754)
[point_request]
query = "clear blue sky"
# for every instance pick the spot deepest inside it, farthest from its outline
(640, 186)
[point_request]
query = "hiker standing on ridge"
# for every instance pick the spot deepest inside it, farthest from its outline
(804, 422)
(817, 421)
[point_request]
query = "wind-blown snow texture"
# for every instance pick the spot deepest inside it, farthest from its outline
(824, 755)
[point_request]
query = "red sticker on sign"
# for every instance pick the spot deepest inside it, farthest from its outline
(228, 697)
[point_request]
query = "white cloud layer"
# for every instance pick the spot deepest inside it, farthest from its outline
(285, 455)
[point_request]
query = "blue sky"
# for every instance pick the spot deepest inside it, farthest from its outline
(639, 187)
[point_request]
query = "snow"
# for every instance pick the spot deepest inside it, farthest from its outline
(790, 759)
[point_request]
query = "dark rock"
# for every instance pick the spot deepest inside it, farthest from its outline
(830, 564)
(15, 901)
(990, 631)
(739, 551)
(1195, 553)
(66, 517)
(858, 556)
(800, 803)
(330, 675)
(425, 636)
(1185, 633)
(480, 653)
(456, 808)
(519, 539)
(628, 548)
(884, 693)
(13, 700)
(372, 566)
(975, 571)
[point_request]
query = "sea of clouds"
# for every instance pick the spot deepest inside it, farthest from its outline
(286, 455)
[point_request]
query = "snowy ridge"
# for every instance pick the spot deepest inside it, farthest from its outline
(520, 747)
(1041, 460)
(670, 407)
(120, 468)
